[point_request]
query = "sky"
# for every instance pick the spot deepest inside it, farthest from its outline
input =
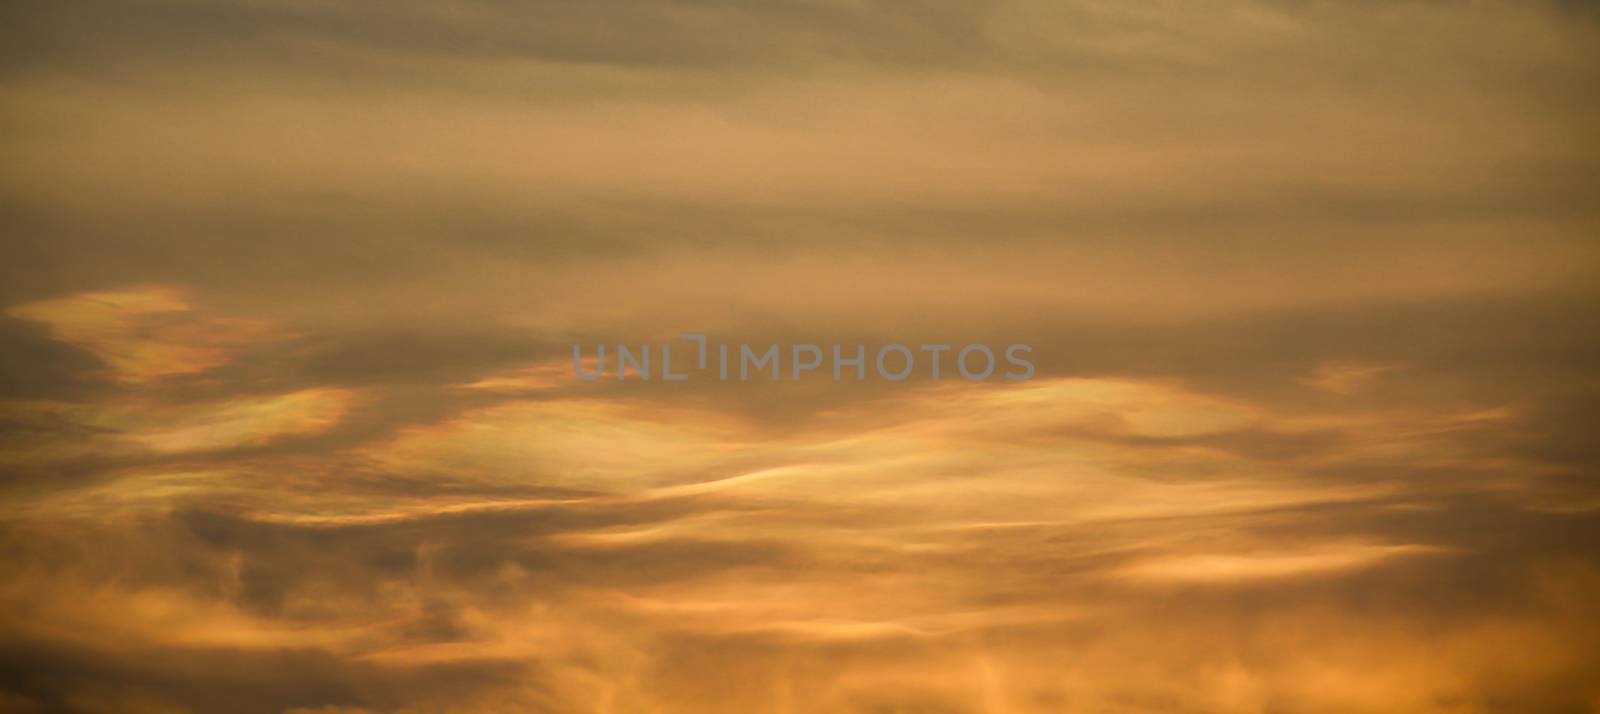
(289, 293)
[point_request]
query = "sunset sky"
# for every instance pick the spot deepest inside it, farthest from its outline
(289, 424)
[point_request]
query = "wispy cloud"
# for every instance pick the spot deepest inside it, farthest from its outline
(288, 422)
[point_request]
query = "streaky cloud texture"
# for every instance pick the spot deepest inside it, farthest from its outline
(288, 419)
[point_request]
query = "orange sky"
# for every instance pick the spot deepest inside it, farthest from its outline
(288, 422)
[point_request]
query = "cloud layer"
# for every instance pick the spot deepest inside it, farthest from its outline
(288, 422)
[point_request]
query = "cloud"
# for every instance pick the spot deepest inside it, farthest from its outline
(1233, 568)
(290, 291)
(144, 334)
